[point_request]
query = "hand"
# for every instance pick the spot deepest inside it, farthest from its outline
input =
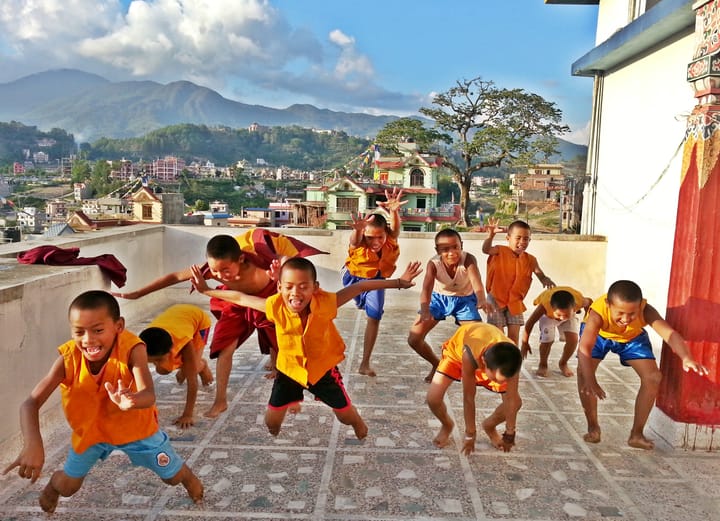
(691, 365)
(198, 279)
(424, 315)
(492, 225)
(393, 202)
(29, 463)
(184, 421)
(274, 271)
(413, 270)
(592, 388)
(359, 221)
(525, 350)
(485, 306)
(121, 395)
(468, 445)
(547, 282)
(508, 441)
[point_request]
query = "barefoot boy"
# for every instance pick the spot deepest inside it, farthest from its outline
(478, 354)
(310, 346)
(175, 339)
(616, 323)
(452, 288)
(103, 417)
(509, 275)
(557, 308)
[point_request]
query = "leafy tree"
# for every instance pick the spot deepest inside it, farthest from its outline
(201, 205)
(80, 171)
(492, 126)
(406, 130)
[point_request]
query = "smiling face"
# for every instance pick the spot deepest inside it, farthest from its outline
(449, 248)
(94, 332)
(623, 313)
(224, 270)
(518, 239)
(296, 288)
(562, 314)
(375, 237)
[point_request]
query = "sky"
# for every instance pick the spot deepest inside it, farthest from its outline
(375, 57)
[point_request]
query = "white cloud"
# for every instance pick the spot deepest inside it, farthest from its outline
(580, 135)
(340, 38)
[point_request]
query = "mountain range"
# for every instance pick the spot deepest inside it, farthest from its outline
(90, 107)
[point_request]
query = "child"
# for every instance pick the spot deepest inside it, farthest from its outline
(556, 309)
(478, 354)
(239, 263)
(509, 275)
(616, 323)
(372, 254)
(310, 346)
(101, 355)
(175, 340)
(452, 287)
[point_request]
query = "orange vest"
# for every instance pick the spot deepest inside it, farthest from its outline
(93, 417)
(183, 322)
(479, 337)
(613, 331)
(509, 278)
(544, 299)
(306, 355)
(365, 263)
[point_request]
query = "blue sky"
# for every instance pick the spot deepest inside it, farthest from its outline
(386, 57)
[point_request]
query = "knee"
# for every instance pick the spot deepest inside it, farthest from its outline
(64, 484)
(177, 478)
(652, 380)
(414, 340)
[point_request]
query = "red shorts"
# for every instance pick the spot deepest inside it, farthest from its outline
(453, 370)
(236, 323)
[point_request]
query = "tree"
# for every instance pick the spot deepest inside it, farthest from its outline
(409, 130)
(491, 126)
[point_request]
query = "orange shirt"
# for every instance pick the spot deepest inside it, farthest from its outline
(509, 277)
(305, 355)
(93, 417)
(613, 331)
(183, 322)
(544, 299)
(365, 263)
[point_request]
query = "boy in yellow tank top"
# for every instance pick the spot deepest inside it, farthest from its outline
(109, 401)
(616, 323)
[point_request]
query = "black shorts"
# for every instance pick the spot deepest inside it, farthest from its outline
(329, 390)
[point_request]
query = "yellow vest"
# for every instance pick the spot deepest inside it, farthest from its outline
(613, 331)
(544, 298)
(365, 263)
(183, 322)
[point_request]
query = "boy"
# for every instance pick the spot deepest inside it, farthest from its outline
(240, 264)
(478, 354)
(101, 355)
(310, 346)
(509, 275)
(556, 309)
(616, 323)
(175, 340)
(452, 287)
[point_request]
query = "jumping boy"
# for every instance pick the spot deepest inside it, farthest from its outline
(557, 308)
(478, 354)
(175, 340)
(310, 346)
(241, 264)
(509, 275)
(452, 287)
(616, 323)
(103, 417)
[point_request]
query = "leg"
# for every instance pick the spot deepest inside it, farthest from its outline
(571, 342)
(222, 373)
(513, 333)
(206, 376)
(272, 364)
(589, 404)
(416, 340)
(60, 484)
(371, 333)
(650, 377)
(436, 401)
(350, 416)
(274, 418)
(542, 369)
(508, 408)
(190, 481)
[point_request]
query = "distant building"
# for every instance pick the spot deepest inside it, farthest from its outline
(81, 191)
(56, 209)
(149, 207)
(166, 169)
(30, 218)
(18, 168)
(219, 207)
(40, 157)
(125, 170)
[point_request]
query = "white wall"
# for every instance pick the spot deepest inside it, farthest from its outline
(612, 15)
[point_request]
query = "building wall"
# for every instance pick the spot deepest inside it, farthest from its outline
(612, 15)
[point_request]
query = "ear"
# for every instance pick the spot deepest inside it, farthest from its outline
(120, 324)
(317, 287)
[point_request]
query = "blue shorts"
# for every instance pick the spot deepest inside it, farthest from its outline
(639, 348)
(154, 453)
(373, 302)
(462, 308)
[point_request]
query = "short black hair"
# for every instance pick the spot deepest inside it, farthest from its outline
(518, 224)
(223, 247)
(625, 291)
(504, 357)
(302, 264)
(378, 221)
(562, 299)
(447, 232)
(96, 299)
(157, 340)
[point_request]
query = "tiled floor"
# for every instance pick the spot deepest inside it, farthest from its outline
(316, 470)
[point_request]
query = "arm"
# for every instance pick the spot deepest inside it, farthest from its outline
(544, 279)
(476, 282)
(673, 339)
(358, 227)
(492, 228)
(405, 281)
(31, 459)
(157, 284)
(469, 366)
(426, 292)
(189, 358)
(392, 204)
(235, 297)
(537, 313)
(585, 346)
(511, 404)
(122, 396)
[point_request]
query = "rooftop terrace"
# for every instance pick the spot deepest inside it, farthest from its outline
(316, 469)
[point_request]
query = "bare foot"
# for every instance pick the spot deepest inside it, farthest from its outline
(443, 436)
(361, 429)
(542, 371)
(49, 499)
(366, 370)
(216, 410)
(294, 408)
(641, 442)
(493, 434)
(565, 370)
(430, 375)
(592, 436)
(206, 376)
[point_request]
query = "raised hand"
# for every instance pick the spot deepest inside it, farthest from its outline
(493, 225)
(413, 270)
(394, 201)
(274, 271)
(198, 279)
(359, 222)
(121, 395)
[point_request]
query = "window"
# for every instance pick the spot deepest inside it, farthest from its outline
(421, 202)
(417, 177)
(347, 204)
(147, 211)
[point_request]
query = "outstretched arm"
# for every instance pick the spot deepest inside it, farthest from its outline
(674, 340)
(157, 284)
(476, 282)
(405, 281)
(426, 293)
(538, 312)
(544, 279)
(492, 228)
(235, 297)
